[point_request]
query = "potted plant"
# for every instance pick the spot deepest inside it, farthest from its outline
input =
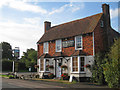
(51, 75)
(64, 76)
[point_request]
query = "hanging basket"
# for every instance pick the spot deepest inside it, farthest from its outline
(63, 66)
(50, 66)
(36, 66)
(87, 66)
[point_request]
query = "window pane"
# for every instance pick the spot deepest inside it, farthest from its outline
(47, 64)
(42, 65)
(58, 45)
(75, 64)
(78, 42)
(82, 63)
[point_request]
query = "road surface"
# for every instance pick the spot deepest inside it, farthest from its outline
(16, 83)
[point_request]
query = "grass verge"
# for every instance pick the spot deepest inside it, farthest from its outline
(59, 81)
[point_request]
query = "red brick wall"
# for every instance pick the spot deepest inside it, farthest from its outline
(51, 48)
(40, 49)
(99, 38)
(87, 46)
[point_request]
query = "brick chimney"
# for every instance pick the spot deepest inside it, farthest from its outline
(47, 25)
(107, 26)
(106, 12)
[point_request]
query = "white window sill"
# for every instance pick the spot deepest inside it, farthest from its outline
(78, 48)
(42, 71)
(79, 72)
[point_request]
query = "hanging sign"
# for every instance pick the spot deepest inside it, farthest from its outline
(69, 43)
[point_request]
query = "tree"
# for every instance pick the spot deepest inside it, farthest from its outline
(29, 58)
(112, 66)
(97, 69)
(7, 50)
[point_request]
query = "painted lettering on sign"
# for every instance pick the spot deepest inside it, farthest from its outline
(69, 43)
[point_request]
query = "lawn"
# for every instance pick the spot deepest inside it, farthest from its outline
(56, 80)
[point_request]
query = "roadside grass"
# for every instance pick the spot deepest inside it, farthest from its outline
(55, 80)
(7, 76)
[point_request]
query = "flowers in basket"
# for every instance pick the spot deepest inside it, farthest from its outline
(64, 76)
(87, 66)
(51, 75)
(50, 66)
(36, 66)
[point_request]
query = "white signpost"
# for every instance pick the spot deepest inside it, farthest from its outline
(71, 78)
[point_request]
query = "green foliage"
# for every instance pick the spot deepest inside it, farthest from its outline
(6, 65)
(97, 69)
(7, 51)
(29, 58)
(112, 66)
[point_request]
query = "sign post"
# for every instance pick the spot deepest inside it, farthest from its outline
(16, 54)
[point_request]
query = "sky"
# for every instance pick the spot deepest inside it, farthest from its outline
(22, 21)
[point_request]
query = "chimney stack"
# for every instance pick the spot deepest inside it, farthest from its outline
(47, 25)
(106, 12)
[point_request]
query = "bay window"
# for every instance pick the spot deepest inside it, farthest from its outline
(42, 65)
(75, 64)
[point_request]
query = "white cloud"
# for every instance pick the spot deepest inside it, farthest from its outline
(70, 7)
(114, 12)
(22, 6)
(59, 9)
(22, 35)
(35, 20)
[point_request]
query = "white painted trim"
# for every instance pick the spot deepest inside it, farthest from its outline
(44, 65)
(81, 43)
(60, 45)
(93, 45)
(79, 64)
(39, 65)
(71, 63)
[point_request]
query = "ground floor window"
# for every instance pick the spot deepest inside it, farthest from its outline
(47, 65)
(42, 65)
(82, 63)
(75, 64)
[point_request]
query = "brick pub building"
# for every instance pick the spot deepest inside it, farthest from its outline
(74, 44)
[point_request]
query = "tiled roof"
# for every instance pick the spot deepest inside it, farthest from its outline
(73, 28)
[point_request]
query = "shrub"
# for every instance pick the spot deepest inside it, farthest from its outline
(51, 75)
(112, 66)
(64, 76)
(97, 69)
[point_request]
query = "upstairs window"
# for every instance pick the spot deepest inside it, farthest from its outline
(45, 47)
(78, 42)
(58, 45)
(101, 23)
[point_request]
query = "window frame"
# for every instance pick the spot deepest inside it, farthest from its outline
(72, 64)
(45, 46)
(76, 43)
(79, 64)
(56, 44)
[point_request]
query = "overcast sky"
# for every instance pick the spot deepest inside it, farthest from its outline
(22, 23)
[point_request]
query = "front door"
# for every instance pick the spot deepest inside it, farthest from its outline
(58, 69)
